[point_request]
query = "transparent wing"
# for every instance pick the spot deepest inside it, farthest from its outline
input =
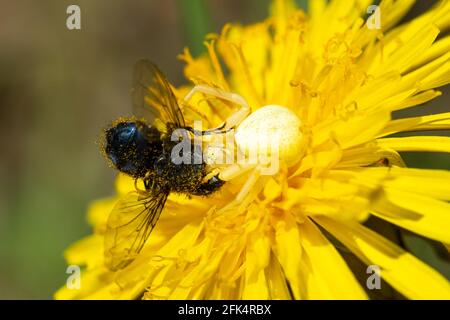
(152, 96)
(129, 225)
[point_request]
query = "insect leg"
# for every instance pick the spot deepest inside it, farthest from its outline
(249, 184)
(236, 118)
(233, 171)
(241, 200)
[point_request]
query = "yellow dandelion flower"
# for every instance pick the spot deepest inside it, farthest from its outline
(342, 80)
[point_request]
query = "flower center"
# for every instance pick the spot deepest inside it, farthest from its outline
(272, 130)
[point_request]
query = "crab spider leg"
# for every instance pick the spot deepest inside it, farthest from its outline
(236, 118)
(232, 121)
(248, 185)
(241, 199)
(233, 171)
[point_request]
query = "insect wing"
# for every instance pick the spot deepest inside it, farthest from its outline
(129, 225)
(152, 95)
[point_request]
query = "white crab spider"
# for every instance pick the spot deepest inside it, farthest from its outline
(276, 123)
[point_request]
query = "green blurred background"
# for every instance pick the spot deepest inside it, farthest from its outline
(59, 88)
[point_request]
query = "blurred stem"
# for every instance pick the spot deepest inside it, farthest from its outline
(302, 4)
(196, 23)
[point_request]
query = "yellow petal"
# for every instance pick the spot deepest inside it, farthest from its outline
(411, 100)
(431, 183)
(276, 281)
(439, 121)
(288, 252)
(403, 271)
(422, 215)
(339, 280)
(257, 258)
(438, 48)
(354, 131)
(99, 210)
(92, 286)
(419, 143)
(125, 184)
(86, 252)
(411, 50)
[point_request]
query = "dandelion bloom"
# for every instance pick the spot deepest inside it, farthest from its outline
(293, 234)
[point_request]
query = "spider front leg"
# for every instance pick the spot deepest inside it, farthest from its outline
(234, 170)
(210, 184)
(250, 184)
(232, 121)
